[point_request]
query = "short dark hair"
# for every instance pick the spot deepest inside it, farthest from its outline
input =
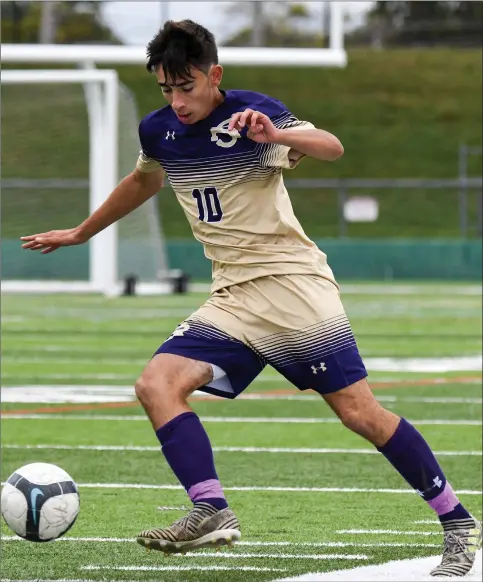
(181, 45)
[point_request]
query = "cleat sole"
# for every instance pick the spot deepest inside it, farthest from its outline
(217, 538)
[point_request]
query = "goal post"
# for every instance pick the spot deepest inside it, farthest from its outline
(102, 100)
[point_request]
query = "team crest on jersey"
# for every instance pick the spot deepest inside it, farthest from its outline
(229, 137)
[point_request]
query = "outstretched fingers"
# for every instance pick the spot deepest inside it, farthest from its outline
(41, 241)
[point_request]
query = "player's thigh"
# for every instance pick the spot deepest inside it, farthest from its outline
(171, 374)
(316, 349)
(232, 364)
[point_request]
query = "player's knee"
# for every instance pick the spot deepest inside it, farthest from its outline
(142, 388)
(151, 386)
(168, 378)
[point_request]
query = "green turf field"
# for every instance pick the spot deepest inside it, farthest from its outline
(311, 496)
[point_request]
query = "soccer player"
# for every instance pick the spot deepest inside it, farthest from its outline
(274, 298)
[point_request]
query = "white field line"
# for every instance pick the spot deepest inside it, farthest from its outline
(130, 378)
(254, 556)
(432, 399)
(182, 568)
(445, 364)
(220, 419)
(262, 488)
(122, 361)
(414, 570)
(392, 532)
(373, 289)
(250, 544)
(228, 449)
(318, 420)
(72, 393)
(427, 521)
(71, 378)
(168, 508)
(139, 347)
(128, 382)
(309, 397)
(411, 289)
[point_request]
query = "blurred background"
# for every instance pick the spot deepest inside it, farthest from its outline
(403, 203)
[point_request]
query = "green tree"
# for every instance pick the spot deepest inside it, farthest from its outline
(427, 23)
(284, 26)
(75, 22)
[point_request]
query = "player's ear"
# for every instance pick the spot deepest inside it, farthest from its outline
(215, 75)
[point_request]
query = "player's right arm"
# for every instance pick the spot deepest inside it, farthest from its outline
(131, 192)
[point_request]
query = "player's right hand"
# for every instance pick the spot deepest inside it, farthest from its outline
(47, 242)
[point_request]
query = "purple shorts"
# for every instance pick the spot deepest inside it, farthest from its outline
(329, 365)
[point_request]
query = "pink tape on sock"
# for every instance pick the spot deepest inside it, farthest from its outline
(206, 490)
(445, 502)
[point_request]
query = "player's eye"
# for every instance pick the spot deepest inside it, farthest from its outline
(187, 89)
(165, 90)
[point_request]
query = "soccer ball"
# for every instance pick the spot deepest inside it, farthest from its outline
(40, 502)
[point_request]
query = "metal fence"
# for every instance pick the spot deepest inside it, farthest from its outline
(345, 187)
(465, 155)
(463, 204)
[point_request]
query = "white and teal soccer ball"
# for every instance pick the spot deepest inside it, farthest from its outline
(40, 502)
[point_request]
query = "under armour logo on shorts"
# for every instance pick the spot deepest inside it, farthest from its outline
(321, 367)
(169, 134)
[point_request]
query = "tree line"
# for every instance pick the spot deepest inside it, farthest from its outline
(287, 24)
(54, 22)
(444, 23)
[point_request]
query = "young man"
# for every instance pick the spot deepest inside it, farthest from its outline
(274, 298)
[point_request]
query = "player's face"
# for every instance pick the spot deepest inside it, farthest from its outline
(194, 98)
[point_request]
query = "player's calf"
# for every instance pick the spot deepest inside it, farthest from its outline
(163, 389)
(402, 445)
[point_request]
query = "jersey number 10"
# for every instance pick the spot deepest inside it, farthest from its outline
(209, 207)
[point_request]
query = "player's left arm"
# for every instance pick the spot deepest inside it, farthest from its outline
(309, 141)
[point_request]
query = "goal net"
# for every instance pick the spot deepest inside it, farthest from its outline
(61, 157)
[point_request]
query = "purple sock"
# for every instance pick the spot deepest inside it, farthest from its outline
(188, 451)
(410, 455)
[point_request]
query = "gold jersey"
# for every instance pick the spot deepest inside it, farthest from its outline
(232, 190)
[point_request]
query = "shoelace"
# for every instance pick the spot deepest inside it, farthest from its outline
(184, 520)
(453, 547)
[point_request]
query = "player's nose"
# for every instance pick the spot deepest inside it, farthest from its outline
(178, 103)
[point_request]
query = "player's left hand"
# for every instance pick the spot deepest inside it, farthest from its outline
(260, 126)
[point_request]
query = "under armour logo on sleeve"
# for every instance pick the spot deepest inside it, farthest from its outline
(169, 134)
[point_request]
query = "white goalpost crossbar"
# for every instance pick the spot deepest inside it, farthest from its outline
(333, 56)
(102, 105)
(136, 55)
